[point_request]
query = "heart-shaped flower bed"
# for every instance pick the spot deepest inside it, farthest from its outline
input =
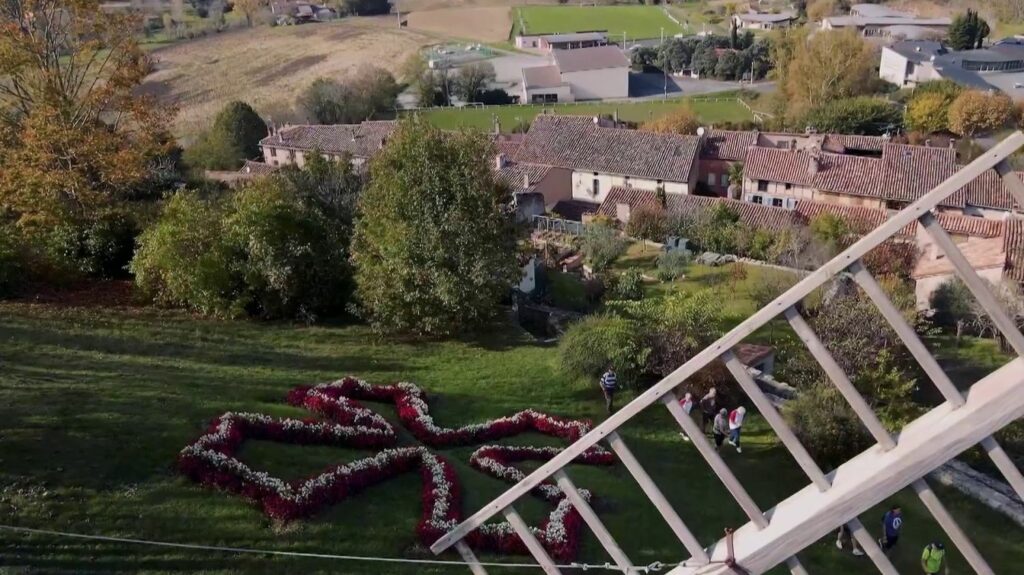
(211, 460)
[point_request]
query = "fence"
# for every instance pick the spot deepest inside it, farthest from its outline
(622, 101)
(558, 225)
(836, 499)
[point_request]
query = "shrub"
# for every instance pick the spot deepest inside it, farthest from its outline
(566, 291)
(629, 285)
(928, 112)
(214, 150)
(648, 223)
(679, 121)
(100, 247)
(672, 264)
(12, 268)
(864, 115)
(235, 136)
(826, 425)
(592, 344)
(602, 245)
(368, 93)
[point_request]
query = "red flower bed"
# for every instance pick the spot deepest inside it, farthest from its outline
(211, 460)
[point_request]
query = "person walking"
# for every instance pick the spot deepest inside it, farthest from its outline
(687, 404)
(708, 409)
(608, 385)
(736, 426)
(892, 522)
(933, 559)
(843, 535)
(720, 427)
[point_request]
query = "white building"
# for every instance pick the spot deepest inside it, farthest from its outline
(597, 73)
(909, 63)
(764, 21)
(998, 67)
(877, 21)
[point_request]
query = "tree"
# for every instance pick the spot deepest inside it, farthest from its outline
(643, 58)
(928, 113)
(369, 93)
(675, 54)
(601, 244)
(862, 115)
(968, 31)
(821, 9)
(976, 112)
(249, 8)
(76, 136)
(705, 60)
(682, 120)
(825, 424)
(831, 230)
(730, 66)
(235, 136)
(434, 247)
(647, 223)
(472, 79)
(830, 65)
(590, 345)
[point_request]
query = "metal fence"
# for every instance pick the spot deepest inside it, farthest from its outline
(837, 498)
(558, 225)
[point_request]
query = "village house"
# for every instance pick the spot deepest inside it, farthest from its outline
(600, 157)
(572, 41)
(875, 21)
(289, 145)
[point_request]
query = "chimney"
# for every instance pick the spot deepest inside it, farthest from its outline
(526, 181)
(928, 142)
(497, 126)
(597, 120)
(815, 164)
(792, 145)
(952, 143)
(499, 161)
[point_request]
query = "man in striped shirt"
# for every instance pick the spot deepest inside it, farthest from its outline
(608, 385)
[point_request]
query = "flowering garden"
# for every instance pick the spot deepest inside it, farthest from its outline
(211, 460)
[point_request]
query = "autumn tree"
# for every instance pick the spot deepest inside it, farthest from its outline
(821, 9)
(647, 223)
(682, 120)
(830, 65)
(434, 247)
(76, 136)
(473, 79)
(976, 112)
(371, 92)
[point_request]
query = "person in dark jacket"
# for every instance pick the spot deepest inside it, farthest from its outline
(708, 409)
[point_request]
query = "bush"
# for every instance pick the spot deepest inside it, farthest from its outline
(629, 285)
(214, 150)
(101, 247)
(592, 344)
(12, 268)
(235, 136)
(566, 291)
(672, 264)
(826, 425)
(864, 115)
(370, 92)
(602, 245)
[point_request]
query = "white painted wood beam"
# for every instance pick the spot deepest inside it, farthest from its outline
(591, 519)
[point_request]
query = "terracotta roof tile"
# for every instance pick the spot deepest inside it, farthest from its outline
(576, 142)
(861, 220)
(988, 191)
(251, 168)
(971, 226)
(778, 165)
(842, 143)
(727, 145)
(753, 215)
(854, 175)
(981, 254)
(514, 176)
(359, 140)
(909, 172)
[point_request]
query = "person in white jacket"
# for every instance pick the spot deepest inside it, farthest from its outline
(735, 426)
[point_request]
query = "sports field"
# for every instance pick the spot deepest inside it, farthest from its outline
(709, 111)
(637, 22)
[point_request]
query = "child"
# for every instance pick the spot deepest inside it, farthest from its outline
(735, 426)
(720, 427)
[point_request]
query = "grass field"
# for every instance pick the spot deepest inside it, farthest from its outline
(97, 404)
(268, 67)
(511, 116)
(637, 22)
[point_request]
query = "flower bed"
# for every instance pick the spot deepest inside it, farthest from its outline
(211, 460)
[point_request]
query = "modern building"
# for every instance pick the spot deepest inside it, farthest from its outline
(998, 67)
(601, 157)
(573, 41)
(763, 21)
(596, 73)
(880, 22)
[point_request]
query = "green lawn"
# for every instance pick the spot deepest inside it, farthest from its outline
(98, 403)
(723, 110)
(637, 22)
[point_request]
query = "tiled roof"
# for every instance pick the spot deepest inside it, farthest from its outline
(981, 254)
(251, 168)
(360, 140)
(753, 215)
(508, 144)
(971, 226)
(512, 175)
(576, 142)
(909, 172)
(1013, 245)
(854, 175)
(860, 220)
(727, 145)
(778, 165)
(542, 77)
(988, 191)
(842, 142)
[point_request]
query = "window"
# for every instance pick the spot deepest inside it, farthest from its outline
(762, 186)
(777, 202)
(291, 156)
(597, 187)
(757, 199)
(711, 179)
(789, 186)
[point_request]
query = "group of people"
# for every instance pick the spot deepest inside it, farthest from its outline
(727, 426)
(933, 558)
